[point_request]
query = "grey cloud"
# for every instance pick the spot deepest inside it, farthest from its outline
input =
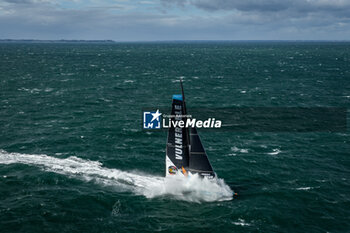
(20, 1)
(45, 21)
(306, 6)
(180, 3)
(299, 16)
(41, 20)
(247, 5)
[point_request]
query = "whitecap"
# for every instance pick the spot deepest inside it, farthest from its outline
(128, 81)
(241, 222)
(231, 154)
(236, 149)
(275, 152)
(304, 188)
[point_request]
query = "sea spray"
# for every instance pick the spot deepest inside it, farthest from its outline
(192, 189)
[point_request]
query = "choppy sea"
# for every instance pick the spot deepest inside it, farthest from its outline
(74, 158)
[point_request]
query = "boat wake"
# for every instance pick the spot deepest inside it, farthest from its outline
(193, 189)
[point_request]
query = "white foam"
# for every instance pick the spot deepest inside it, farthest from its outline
(241, 222)
(194, 188)
(304, 188)
(275, 152)
(236, 149)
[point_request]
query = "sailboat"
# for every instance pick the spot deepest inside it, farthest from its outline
(185, 153)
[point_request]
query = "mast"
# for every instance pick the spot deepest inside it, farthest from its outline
(185, 111)
(183, 97)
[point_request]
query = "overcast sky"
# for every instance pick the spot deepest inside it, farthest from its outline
(145, 20)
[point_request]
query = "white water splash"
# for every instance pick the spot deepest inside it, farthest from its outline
(194, 189)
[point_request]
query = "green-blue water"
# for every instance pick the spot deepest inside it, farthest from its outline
(66, 107)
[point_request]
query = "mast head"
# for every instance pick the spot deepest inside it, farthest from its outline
(177, 97)
(181, 81)
(183, 96)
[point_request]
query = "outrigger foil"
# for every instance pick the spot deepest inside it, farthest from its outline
(185, 153)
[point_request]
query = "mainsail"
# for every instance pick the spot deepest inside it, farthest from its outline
(184, 150)
(177, 149)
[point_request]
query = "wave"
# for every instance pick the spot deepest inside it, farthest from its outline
(193, 189)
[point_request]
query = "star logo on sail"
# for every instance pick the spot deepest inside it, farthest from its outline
(152, 120)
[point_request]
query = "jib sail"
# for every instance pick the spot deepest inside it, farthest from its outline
(199, 162)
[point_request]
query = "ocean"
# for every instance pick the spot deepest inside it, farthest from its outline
(74, 156)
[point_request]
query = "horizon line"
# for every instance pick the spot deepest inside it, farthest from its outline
(177, 40)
